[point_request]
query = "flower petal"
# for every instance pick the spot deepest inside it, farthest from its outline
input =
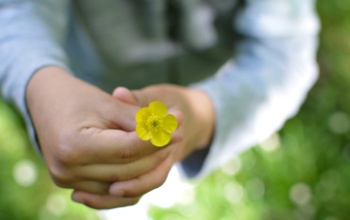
(169, 123)
(143, 132)
(142, 115)
(160, 138)
(158, 109)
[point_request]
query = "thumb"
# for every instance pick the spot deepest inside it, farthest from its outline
(136, 97)
(125, 95)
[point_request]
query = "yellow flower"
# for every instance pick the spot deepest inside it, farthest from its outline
(152, 123)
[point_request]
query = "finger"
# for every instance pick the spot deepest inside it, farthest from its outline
(135, 97)
(144, 183)
(117, 114)
(178, 115)
(88, 186)
(122, 172)
(116, 146)
(124, 95)
(105, 201)
(143, 99)
(158, 93)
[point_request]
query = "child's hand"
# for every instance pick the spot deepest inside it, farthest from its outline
(196, 106)
(88, 140)
(197, 126)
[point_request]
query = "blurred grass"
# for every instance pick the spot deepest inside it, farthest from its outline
(306, 177)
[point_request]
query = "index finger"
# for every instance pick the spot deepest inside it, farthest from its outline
(116, 146)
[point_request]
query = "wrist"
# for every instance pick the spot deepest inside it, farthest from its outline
(41, 80)
(205, 116)
(42, 92)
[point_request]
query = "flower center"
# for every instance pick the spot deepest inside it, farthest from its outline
(154, 123)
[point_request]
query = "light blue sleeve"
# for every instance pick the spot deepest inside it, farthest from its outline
(32, 34)
(265, 84)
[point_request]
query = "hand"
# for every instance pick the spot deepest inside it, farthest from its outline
(197, 125)
(196, 106)
(88, 140)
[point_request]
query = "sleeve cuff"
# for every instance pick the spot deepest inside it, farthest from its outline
(192, 164)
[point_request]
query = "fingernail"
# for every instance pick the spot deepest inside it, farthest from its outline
(77, 198)
(116, 192)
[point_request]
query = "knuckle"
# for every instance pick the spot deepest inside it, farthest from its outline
(129, 154)
(59, 175)
(121, 176)
(65, 152)
(117, 176)
(125, 172)
(63, 155)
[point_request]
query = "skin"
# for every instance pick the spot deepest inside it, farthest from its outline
(198, 113)
(196, 106)
(89, 142)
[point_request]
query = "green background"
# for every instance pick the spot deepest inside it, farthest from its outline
(306, 177)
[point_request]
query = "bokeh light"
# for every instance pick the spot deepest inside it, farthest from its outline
(231, 167)
(339, 122)
(25, 172)
(56, 204)
(233, 192)
(272, 143)
(300, 194)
